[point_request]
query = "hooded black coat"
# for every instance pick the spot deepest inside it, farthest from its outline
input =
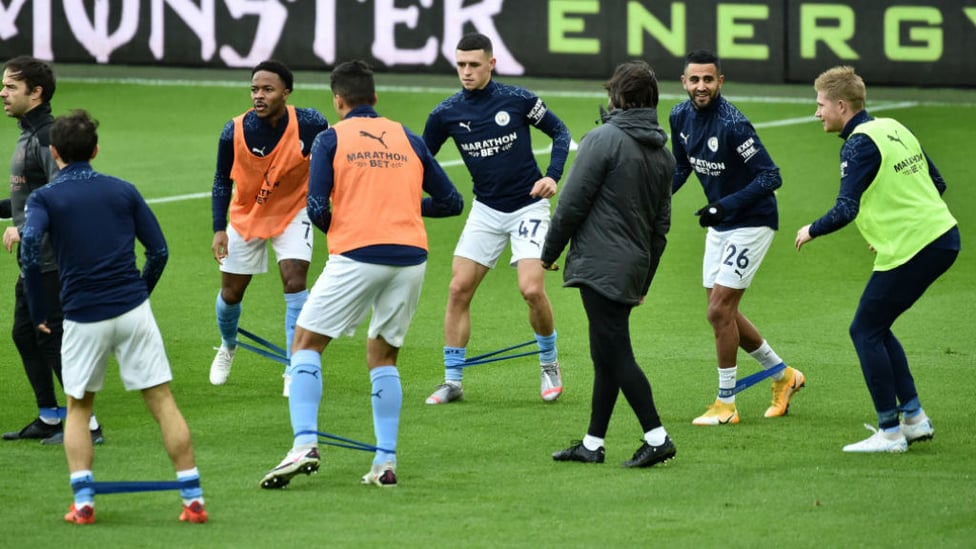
(615, 207)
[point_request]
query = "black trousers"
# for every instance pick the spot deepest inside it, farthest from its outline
(40, 352)
(614, 367)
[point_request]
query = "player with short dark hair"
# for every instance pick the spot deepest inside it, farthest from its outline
(366, 187)
(93, 221)
(713, 139)
(490, 124)
(262, 178)
(893, 191)
(28, 87)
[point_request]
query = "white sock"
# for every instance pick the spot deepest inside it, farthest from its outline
(656, 436)
(592, 443)
(768, 358)
(726, 384)
(92, 423)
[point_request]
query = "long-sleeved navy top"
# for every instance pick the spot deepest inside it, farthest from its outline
(261, 137)
(721, 146)
(93, 221)
(491, 129)
(860, 161)
(444, 199)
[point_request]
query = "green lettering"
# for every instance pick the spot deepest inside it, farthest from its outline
(562, 23)
(928, 33)
(835, 37)
(639, 21)
(730, 29)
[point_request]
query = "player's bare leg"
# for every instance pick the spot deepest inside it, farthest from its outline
(466, 276)
(532, 285)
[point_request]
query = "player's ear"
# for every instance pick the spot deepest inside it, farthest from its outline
(94, 153)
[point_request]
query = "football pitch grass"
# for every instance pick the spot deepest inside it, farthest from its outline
(478, 473)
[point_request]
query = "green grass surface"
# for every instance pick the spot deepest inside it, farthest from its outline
(478, 473)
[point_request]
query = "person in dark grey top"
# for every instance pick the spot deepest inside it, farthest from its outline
(28, 86)
(615, 212)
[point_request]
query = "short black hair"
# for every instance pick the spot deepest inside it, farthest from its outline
(75, 136)
(34, 73)
(278, 68)
(353, 80)
(475, 41)
(703, 57)
(633, 85)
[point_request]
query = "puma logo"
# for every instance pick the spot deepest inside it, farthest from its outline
(465, 125)
(377, 394)
(257, 151)
(313, 373)
(897, 139)
(364, 133)
(683, 137)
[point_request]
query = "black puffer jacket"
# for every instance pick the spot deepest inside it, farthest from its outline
(615, 207)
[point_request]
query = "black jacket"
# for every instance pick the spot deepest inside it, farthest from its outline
(615, 207)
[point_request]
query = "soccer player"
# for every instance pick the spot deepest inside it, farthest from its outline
(616, 209)
(892, 191)
(262, 176)
(93, 221)
(28, 86)
(490, 125)
(374, 171)
(711, 137)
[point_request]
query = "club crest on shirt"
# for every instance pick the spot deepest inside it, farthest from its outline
(502, 118)
(713, 144)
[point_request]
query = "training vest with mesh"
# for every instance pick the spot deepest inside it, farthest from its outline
(268, 190)
(901, 211)
(378, 187)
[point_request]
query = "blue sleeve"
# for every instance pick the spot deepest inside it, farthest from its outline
(321, 178)
(935, 174)
(223, 186)
(860, 161)
(310, 123)
(31, 238)
(434, 133)
(150, 235)
(765, 174)
(444, 199)
(682, 168)
(551, 125)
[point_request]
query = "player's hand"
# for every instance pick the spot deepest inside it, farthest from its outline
(802, 237)
(544, 188)
(42, 327)
(711, 215)
(219, 246)
(10, 235)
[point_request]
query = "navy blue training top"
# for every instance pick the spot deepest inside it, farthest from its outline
(720, 145)
(491, 129)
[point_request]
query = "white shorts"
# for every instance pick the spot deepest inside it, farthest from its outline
(732, 258)
(248, 257)
(487, 231)
(132, 337)
(348, 290)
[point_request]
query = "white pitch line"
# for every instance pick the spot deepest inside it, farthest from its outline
(545, 150)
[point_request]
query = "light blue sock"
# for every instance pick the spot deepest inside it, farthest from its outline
(387, 398)
(50, 416)
(547, 344)
(228, 317)
(83, 485)
(293, 306)
(304, 395)
(453, 362)
(190, 485)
